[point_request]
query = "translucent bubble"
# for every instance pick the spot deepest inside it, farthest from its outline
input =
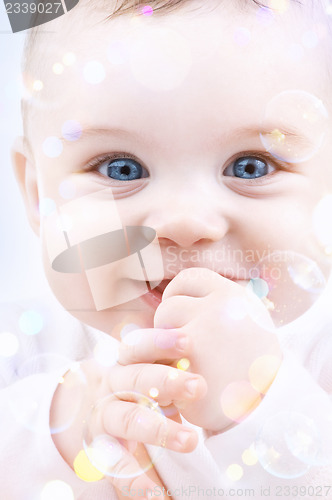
(9, 344)
(183, 364)
(310, 39)
(272, 448)
(31, 322)
(234, 472)
(44, 363)
(53, 490)
(239, 399)
(106, 353)
(71, 130)
(264, 16)
(295, 53)
(67, 189)
(147, 10)
(128, 335)
(249, 456)
(242, 36)
(117, 457)
(153, 392)
(37, 85)
(46, 206)
(161, 59)
(236, 308)
(94, 72)
(328, 7)
(84, 468)
(289, 111)
(117, 52)
(128, 328)
(313, 442)
(69, 59)
(263, 371)
(294, 282)
(259, 287)
(52, 147)
(29, 409)
(58, 68)
(65, 222)
(280, 6)
(322, 222)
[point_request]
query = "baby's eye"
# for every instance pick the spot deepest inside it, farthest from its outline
(249, 167)
(123, 169)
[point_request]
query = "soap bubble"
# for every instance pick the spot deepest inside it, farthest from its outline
(116, 457)
(239, 399)
(271, 445)
(69, 59)
(118, 52)
(52, 147)
(147, 10)
(242, 36)
(294, 109)
(315, 448)
(9, 345)
(53, 490)
(47, 206)
(31, 322)
(259, 287)
(67, 189)
(94, 72)
(71, 130)
(294, 283)
(28, 408)
(265, 16)
(321, 221)
(161, 59)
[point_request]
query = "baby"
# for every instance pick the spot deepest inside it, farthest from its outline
(176, 157)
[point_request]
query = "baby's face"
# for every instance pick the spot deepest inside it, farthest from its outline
(211, 128)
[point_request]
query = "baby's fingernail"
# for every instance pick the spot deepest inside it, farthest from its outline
(191, 386)
(182, 438)
(181, 343)
(165, 340)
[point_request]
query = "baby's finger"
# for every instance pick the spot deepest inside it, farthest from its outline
(122, 471)
(194, 282)
(152, 344)
(171, 384)
(175, 312)
(134, 421)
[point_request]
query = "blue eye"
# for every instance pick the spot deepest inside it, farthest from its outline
(248, 167)
(123, 169)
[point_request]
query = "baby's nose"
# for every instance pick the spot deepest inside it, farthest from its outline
(186, 225)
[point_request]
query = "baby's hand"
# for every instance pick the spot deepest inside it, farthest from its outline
(128, 420)
(225, 342)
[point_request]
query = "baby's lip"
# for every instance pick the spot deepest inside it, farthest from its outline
(161, 285)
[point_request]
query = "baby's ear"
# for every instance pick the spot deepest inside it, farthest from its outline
(26, 176)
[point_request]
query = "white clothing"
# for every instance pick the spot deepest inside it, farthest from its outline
(29, 458)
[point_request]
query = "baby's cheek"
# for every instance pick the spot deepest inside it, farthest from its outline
(71, 289)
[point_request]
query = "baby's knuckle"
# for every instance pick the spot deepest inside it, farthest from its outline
(138, 377)
(122, 469)
(131, 419)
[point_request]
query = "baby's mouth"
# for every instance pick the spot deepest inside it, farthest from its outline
(156, 289)
(160, 287)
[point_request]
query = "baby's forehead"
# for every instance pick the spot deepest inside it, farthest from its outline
(182, 38)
